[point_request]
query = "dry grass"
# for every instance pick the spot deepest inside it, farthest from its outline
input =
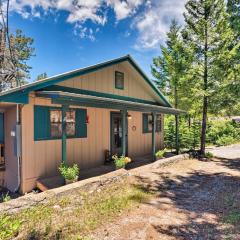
(72, 218)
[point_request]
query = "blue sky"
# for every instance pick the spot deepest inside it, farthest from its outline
(69, 36)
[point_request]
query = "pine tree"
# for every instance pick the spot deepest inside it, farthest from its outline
(41, 76)
(209, 34)
(15, 50)
(233, 8)
(170, 68)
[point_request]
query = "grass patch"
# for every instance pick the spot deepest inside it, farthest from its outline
(232, 217)
(72, 217)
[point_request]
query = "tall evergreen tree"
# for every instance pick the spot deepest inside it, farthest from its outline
(15, 50)
(209, 34)
(233, 8)
(169, 70)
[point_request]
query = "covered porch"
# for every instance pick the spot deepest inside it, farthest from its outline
(66, 99)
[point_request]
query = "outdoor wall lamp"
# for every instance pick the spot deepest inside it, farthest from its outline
(129, 117)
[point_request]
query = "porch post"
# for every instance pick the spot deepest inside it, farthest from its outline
(64, 134)
(124, 132)
(153, 136)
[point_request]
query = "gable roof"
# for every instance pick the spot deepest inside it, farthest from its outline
(20, 94)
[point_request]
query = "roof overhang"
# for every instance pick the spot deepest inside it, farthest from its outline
(21, 94)
(66, 98)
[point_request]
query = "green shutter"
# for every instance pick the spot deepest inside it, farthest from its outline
(1, 128)
(41, 123)
(145, 122)
(81, 125)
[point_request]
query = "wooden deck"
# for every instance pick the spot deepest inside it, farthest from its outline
(57, 181)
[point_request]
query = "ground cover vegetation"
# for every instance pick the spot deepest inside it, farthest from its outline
(74, 216)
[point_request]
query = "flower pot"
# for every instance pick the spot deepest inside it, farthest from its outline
(67, 181)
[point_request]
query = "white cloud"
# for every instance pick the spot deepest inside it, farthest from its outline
(151, 18)
(154, 22)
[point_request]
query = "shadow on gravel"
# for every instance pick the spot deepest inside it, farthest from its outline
(233, 164)
(200, 195)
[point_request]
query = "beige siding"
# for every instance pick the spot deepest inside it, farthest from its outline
(42, 158)
(104, 81)
(10, 158)
(140, 143)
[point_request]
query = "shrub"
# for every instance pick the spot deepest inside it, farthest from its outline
(69, 173)
(225, 140)
(208, 155)
(121, 162)
(6, 197)
(160, 153)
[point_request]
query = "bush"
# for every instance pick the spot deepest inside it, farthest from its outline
(225, 140)
(6, 197)
(69, 173)
(208, 155)
(219, 132)
(160, 153)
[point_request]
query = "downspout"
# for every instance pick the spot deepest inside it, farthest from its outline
(18, 146)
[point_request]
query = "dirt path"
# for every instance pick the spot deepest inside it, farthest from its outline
(191, 197)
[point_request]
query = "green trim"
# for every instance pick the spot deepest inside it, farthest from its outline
(43, 126)
(98, 94)
(64, 134)
(154, 136)
(124, 131)
(17, 97)
(57, 98)
(62, 77)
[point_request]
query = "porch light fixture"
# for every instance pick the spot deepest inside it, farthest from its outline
(129, 117)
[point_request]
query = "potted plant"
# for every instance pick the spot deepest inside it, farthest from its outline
(121, 162)
(69, 173)
(160, 154)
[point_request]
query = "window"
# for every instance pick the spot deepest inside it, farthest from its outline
(71, 123)
(56, 123)
(148, 123)
(48, 123)
(119, 80)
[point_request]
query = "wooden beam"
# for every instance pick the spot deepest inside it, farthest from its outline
(153, 136)
(64, 134)
(124, 131)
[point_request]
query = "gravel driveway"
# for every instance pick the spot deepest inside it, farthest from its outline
(191, 198)
(230, 152)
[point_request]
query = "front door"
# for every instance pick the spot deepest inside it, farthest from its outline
(116, 133)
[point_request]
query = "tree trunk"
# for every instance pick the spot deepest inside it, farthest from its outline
(205, 87)
(176, 119)
(204, 125)
(177, 133)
